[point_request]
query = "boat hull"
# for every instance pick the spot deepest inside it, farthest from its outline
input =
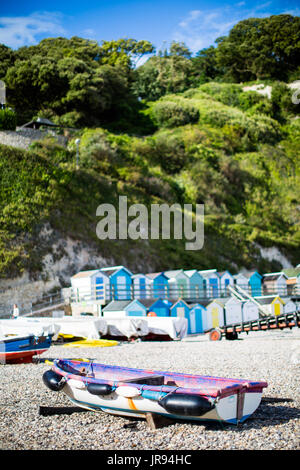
(225, 409)
(135, 392)
(16, 349)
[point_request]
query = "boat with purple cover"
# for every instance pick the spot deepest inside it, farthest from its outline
(135, 392)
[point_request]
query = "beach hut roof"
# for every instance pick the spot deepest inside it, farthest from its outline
(221, 273)
(273, 276)
(114, 269)
(251, 273)
(117, 305)
(221, 302)
(208, 272)
(180, 301)
(154, 275)
(191, 272)
(174, 273)
(83, 274)
(268, 299)
(291, 272)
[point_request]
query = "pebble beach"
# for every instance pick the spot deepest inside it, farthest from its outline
(270, 356)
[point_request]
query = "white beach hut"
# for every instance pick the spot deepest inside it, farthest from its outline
(90, 286)
(249, 311)
(233, 311)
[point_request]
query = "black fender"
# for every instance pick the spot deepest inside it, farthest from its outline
(53, 380)
(186, 405)
(99, 389)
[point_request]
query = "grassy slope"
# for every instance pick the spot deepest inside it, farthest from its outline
(237, 160)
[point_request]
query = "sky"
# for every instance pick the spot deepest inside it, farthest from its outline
(196, 23)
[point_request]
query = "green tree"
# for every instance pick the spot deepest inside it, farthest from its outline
(259, 48)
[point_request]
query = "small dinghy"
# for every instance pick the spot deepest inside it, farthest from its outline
(21, 348)
(135, 392)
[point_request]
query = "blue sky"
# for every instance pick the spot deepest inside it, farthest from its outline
(196, 23)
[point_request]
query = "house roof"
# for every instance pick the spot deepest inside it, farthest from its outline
(221, 273)
(83, 274)
(251, 273)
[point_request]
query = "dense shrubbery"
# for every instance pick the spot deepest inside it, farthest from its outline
(172, 114)
(8, 119)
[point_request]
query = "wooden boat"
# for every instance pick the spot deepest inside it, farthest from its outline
(135, 392)
(21, 348)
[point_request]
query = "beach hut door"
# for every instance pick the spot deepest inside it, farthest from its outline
(121, 287)
(142, 291)
(99, 288)
(215, 317)
(277, 309)
(192, 321)
(180, 312)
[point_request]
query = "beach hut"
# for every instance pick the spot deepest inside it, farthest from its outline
(254, 283)
(89, 286)
(178, 283)
(141, 286)
(249, 311)
(289, 307)
(215, 314)
(211, 282)
(197, 319)
(120, 282)
(233, 311)
(275, 283)
(225, 280)
(272, 305)
(157, 307)
(124, 308)
(195, 284)
(293, 280)
(241, 280)
(158, 285)
(180, 309)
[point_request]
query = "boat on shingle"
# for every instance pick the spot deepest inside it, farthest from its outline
(135, 392)
(22, 348)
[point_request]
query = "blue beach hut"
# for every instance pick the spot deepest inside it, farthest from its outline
(124, 308)
(141, 285)
(195, 284)
(158, 285)
(120, 282)
(180, 309)
(211, 282)
(255, 283)
(196, 321)
(161, 307)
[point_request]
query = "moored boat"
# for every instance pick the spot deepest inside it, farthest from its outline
(22, 348)
(135, 392)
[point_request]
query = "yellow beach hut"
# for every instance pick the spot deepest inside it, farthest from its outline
(272, 305)
(215, 314)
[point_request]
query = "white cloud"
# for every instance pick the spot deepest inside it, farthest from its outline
(20, 31)
(200, 29)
